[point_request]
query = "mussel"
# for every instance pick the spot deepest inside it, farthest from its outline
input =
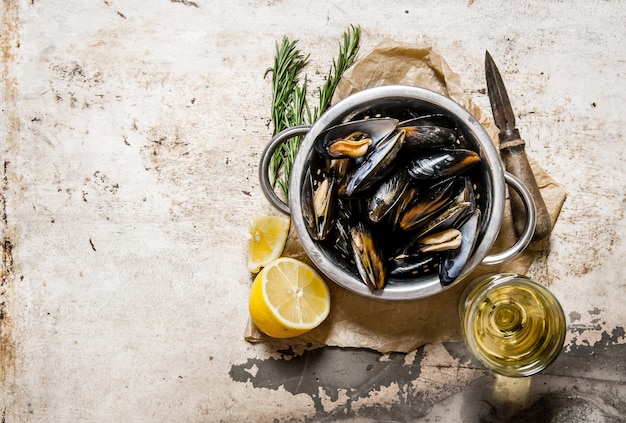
(375, 166)
(448, 239)
(443, 162)
(454, 261)
(428, 131)
(340, 168)
(450, 217)
(341, 240)
(354, 139)
(426, 203)
(387, 194)
(423, 255)
(319, 203)
(369, 259)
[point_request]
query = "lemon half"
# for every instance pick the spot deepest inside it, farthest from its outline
(288, 298)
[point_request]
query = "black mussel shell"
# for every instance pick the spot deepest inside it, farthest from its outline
(442, 163)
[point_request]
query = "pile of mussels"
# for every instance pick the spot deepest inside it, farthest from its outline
(394, 197)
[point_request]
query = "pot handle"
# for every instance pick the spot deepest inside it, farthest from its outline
(266, 157)
(529, 226)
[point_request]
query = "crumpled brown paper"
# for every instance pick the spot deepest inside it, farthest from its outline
(391, 326)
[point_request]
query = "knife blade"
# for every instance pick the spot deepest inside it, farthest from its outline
(512, 152)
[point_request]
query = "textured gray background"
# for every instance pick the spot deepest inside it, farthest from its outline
(131, 133)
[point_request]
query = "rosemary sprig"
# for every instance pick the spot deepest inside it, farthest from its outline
(289, 102)
(288, 64)
(295, 116)
(345, 59)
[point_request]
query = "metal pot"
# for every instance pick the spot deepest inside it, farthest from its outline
(390, 101)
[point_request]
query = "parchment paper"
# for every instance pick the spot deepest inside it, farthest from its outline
(391, 326)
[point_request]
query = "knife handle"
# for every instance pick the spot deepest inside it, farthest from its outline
(516, 163)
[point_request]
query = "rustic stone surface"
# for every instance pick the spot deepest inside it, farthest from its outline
(131, 134)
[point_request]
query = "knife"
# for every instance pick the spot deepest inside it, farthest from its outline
(513, 154)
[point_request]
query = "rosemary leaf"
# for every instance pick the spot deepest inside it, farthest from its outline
(347, 54)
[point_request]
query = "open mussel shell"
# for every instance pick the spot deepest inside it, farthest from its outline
(354, 139)
(376, 165)
(423, 255)
(446, 240)
(455, 260)
(368, 257)
(440, 202)
(319, 198)
(450, 217)
(427, 201)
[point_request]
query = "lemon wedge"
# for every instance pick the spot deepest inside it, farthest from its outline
(268, 235)
(288, 298)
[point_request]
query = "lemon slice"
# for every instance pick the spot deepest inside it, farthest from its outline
(268, 235)
(288, 298)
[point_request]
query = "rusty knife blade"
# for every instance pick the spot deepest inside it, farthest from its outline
(500, 105)
(513, 155)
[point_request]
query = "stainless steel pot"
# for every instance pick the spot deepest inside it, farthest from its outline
(393, 100)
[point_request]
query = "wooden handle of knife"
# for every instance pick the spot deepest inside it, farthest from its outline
(516, 163)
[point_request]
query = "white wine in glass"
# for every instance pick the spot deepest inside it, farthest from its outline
(513, 325)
